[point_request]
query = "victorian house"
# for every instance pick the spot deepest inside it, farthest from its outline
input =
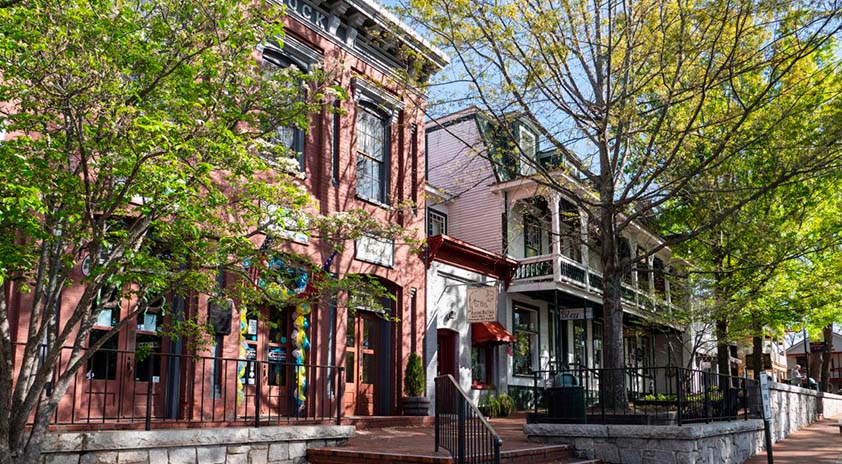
(483, 192)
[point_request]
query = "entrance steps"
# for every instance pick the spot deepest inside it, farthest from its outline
(551, 454)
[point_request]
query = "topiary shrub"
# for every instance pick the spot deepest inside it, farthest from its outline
(413, 379)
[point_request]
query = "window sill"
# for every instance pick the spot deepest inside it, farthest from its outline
(373, 202)
(107, 328)
(482, 386)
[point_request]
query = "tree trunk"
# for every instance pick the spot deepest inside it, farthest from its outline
(828, 348)
(757, 356)
(614, 394)
(723, 354)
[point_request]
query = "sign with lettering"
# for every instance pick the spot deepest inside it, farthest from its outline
(567, 314)
(482, 304)
(764, 396)
(376, 250)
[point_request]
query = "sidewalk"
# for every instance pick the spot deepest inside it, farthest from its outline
(820, 443)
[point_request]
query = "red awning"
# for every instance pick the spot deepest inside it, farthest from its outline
(490, 333)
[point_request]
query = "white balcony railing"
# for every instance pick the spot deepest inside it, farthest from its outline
(560, 268)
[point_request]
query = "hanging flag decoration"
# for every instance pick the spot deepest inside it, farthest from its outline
(242, 364)
(299, 354)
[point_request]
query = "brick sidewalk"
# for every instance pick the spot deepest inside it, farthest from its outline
(820, 443)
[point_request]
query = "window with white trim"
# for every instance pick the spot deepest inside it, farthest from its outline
(289, 138)
(436, 223)
(528, 147)
(372, 155)
(526, 344)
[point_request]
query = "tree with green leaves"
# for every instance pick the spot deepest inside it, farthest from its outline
(140, 145)
(642, 99)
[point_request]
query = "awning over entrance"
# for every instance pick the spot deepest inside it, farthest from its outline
(490, 333)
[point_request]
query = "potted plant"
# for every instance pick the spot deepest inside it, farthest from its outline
(414, 403)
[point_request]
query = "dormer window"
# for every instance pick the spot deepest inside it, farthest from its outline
(528, 147)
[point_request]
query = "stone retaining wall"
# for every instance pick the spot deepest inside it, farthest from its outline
(721, 443)
(264, 445)
(793, 408)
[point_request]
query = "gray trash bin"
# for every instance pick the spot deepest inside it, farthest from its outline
(566, 403)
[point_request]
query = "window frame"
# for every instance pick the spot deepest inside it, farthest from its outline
(443, 216)
(380, 195)
(487, 380)
(525, 168)
(530, 333)
(275, 58)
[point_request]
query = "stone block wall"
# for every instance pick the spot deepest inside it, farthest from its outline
(720, 443)
(264, 445)
(793, 408)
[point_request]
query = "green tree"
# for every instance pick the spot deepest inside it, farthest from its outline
(140, 142)
(628, 92)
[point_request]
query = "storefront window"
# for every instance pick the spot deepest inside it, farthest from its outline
(597, 345)
(580, 355)
(526, 333)
(481, 366)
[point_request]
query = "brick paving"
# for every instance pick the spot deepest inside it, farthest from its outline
(418, 442)
(820, 443)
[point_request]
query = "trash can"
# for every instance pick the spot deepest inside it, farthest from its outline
(566, 403)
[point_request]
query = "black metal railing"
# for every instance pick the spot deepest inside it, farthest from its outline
(461, 428)
(120, 389)
(654, 395)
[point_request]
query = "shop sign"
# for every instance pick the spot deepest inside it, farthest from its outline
(375, 250)
(567, 314)
(482, 304)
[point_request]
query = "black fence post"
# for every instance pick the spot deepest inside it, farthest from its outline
(339, 393)
(460, 459)
(535, 391)
(148, 424)
(436, 409)
(678, 394)
(745, 398)
(257, 392)
(707, 396)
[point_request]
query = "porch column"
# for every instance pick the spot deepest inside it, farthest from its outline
(583, 233)
(555, 233)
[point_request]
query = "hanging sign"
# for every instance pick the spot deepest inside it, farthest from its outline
(568, 314)
(482, 304)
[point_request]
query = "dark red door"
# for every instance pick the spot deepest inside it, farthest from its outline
(447, 353)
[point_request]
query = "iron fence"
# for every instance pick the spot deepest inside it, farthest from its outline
(653, 395)
(461, 428)
(118, 388)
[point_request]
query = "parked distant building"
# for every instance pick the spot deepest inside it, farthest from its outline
(808, 356)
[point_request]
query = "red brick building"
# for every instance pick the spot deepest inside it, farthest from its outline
(370, 156)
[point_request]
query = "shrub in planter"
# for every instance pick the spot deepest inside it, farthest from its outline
(413, 379)
(414, 403)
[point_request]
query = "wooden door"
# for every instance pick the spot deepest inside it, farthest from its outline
(362, 343)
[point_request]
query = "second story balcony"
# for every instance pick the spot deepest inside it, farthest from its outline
(545, 236)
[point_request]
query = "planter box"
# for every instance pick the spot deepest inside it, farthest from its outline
(415, 406)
